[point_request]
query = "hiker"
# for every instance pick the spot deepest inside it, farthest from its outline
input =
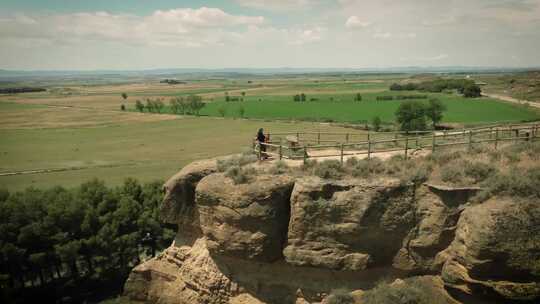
(262, 139)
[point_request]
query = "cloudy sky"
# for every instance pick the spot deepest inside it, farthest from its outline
(143, 34)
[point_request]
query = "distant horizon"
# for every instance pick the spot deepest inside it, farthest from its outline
(373, 68)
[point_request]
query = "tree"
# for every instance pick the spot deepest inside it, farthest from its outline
(222, 110)
(183, 105)
(241, 111)
(376, 122)
(139, 106)
(227, 97)
(411, 116)
(173, 103)
(296, 98)
(434, 110)
(471, 90)
(150, 105)
(123, 107)
(158, 105)
(396, 87)
(196, 103)
(302, 97)
(358, 97)
(125, 96)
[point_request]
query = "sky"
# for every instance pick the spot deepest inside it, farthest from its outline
(144, 34)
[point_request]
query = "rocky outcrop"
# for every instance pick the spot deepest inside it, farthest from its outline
(497, 249)
(348, 225)
(437, 211)
(286, 239)
(246, 221)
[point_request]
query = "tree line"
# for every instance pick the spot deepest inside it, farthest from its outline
(189, 105)
(21, 90)
(414, 115)
(464, 86)
(62, 239)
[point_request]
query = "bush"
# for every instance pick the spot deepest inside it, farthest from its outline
(367, 167)
(236, 160)
(417, 174)
(479, 171)
(340, 296)
(329, 169)
(517, 182)
(279, 167)
(240, 175)
(453, 174)
(411, 291)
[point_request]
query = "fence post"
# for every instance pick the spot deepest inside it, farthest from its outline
(305, 154)
(416, 144)
(433, 142)
(369, 148)
(406, 145)
(395, 138)
(342, 154)
(490, 132)
(319, 137)
(470, 140)
(298, 137)
(280, 151)
(496, 137)
(347, 137)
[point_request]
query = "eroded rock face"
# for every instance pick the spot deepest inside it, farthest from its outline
(179, 200)
(496, 248)
(246, 221)
(437, 212)
(348, 225)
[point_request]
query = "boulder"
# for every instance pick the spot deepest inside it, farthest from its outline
(496, 249)
(245, 221)
(348, 224)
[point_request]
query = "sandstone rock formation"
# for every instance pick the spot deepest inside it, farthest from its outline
(284, 239)
(497, 249)
(348, 225)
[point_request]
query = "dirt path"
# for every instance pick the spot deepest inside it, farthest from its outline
(512, 99)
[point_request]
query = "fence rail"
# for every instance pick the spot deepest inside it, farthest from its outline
(304, 145)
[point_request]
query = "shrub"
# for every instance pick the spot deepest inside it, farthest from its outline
(279, 167)
(236, 160)
(452, 173)
(329, 169)
(376, 122)
(239, 175)
(517, 182)
(309, 165)
(416, 175)
(479, 171)
(367, 167)
(340, 296)
(411, 291)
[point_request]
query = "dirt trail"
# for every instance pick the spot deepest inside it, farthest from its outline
(512, 99)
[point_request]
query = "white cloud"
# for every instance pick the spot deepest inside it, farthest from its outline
(382, 35)
(184, 27)
(356, 22)
(306, 36)
(276, 5)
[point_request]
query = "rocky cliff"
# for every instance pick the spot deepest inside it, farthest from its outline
(283, 238)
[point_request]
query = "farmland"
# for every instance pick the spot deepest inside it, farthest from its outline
(77, 130)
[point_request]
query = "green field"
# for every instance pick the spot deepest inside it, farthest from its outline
(343, 108)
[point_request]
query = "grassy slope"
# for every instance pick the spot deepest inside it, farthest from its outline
(147, 150)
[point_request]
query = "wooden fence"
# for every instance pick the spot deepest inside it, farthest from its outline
(304, 145)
